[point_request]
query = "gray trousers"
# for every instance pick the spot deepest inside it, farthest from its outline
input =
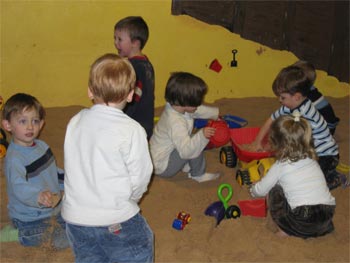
(175, 164)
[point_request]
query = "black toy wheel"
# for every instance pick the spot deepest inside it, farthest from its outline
(228, 156)
(233, 211)
(242, 177)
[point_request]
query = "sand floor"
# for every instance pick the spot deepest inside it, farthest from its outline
(246, 239)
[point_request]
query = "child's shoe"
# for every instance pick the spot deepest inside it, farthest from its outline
(8, 234)
(205, 177)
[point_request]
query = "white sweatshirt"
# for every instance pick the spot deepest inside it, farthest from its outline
(174, 131)
(303, 183)
(107, 165)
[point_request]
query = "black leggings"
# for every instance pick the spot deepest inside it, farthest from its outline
(328, 165)
(303, 221)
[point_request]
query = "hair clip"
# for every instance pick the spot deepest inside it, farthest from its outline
(296, 115)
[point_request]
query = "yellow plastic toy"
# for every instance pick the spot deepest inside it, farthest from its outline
(252, 172)
(343, 168)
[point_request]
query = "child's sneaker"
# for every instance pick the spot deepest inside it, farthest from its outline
(205, 177)
(8, 234)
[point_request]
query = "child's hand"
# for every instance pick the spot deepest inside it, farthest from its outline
(254, 147)
(251, 147)
(48, 199)
(208, 132)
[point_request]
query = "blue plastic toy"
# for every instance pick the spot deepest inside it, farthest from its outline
(231, 120)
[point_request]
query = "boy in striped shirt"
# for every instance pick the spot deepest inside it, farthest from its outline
(291, 86)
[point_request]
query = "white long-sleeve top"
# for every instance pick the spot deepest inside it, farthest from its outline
(174, 131)
(108, 167)
(303, 183)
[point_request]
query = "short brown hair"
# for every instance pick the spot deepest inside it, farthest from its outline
(111, 78)
(291, 80)
(185, 89)
(136, 27)
(291, 139)
(21, 102)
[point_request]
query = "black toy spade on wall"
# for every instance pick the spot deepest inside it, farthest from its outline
(234, 61)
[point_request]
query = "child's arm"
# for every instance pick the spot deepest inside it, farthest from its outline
(262, 133)
(206, 112)
(24, 190)
(139, 164)
(263, 187)
(189, 146)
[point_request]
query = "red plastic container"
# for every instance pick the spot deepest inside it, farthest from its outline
(255, 207)
(246, 136)
(222, 134)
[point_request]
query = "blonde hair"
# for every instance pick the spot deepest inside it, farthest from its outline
(111, 78)
(291, 139)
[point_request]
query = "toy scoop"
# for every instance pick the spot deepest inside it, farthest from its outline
(216, 210)
(220, 209)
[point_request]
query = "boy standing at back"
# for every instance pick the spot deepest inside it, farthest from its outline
(316, 97)
(108, 168)
(130, 37)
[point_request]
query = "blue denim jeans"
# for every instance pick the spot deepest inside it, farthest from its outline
(133, 243)
(51, 231)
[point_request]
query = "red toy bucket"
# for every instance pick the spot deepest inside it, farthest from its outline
(246, 136)
(215, 65)
(221, 136)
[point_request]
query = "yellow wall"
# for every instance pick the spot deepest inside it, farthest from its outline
(48, 46)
